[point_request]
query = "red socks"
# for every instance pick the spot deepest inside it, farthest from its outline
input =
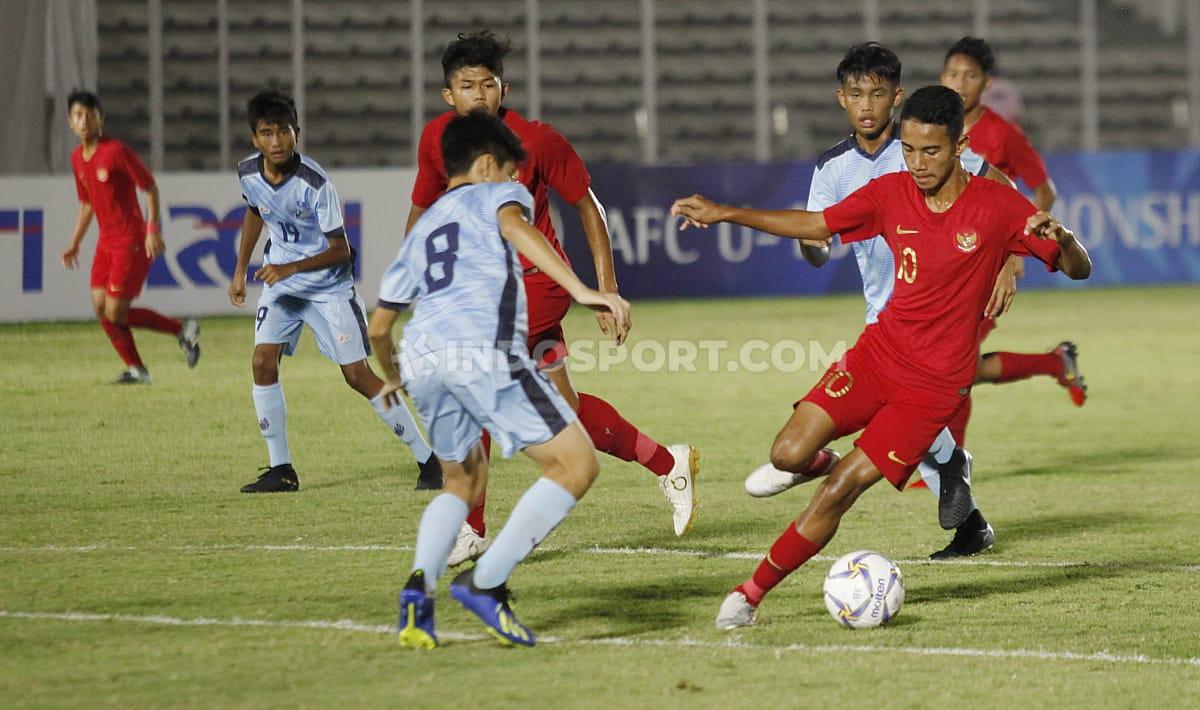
(790, 551)
(614, 436)
(475, 516)
(153, 320)
(122, 342)
(1018, 366)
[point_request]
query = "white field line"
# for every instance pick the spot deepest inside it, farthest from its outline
(985, 561)
(733, 644)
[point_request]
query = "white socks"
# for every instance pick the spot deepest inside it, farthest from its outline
(941, 451)
(401, 422)
(539, 511)
(436, 534)
(272, 422)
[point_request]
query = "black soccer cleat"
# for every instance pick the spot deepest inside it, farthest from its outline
(971, 538)
(276, 479)
(133, 376)
(430, 478)
(955, 502)
(189, 341)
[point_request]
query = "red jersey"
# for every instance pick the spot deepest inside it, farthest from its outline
(1004, 145)
(552, 163)
(108, 181)
(946, 265)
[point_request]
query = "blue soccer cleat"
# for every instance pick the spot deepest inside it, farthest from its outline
(491, 606)
(416, 614)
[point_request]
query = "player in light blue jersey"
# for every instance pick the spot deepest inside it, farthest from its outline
(308, 272)
(464, 360)
(869, 91)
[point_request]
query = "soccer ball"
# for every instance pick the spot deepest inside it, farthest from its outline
(863, 589)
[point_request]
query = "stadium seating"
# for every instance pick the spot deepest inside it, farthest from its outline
(357, 68)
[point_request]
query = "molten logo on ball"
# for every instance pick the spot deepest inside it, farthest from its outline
(863, 589)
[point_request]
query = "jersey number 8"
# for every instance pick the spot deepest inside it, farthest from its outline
(444, 256)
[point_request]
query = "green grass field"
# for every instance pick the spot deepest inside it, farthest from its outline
(132, 572)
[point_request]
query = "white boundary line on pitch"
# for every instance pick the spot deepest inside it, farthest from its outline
(735, 644)
(597, 550)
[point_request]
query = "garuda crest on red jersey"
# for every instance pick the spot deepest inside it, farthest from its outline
(966, 241)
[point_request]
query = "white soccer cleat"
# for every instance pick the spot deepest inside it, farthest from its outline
(766, 480)
(735, 612)
(679, 486)
(468, 546)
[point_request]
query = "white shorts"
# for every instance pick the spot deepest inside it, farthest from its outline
(339, 325)
(459, 393)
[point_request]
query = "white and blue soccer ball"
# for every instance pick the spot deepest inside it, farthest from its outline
(863, 589)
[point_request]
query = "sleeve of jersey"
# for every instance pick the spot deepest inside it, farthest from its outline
(821, 192)
(1025, 160)
(562, 167)
(974, 163)
(429, 183)
(857, 217)
(398, 288)
(1044, 250)
(329, 208)
(137, 169)
(514, 193)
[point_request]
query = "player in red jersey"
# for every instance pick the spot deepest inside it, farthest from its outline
(107, 176)
(473, 67)
(911, 372)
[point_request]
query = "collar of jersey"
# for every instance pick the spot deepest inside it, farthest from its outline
(287, 175)
(871, 156)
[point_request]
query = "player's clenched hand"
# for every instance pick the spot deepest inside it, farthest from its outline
(272, 274)
(70, 257)
(391, 393)
(697, 211)
(1044, 226)
(616, 306)
(237, 290)
(605, 320)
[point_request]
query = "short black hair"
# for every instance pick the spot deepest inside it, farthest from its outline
(478, 49)
(87, 98)
(977, 49)
(274, 107)
(938, 106)
(478, 133)
(869, 59)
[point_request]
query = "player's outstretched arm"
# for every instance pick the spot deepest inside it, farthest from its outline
(1073, 259)
(70, 257)
(379, 331)
(698, 211)
(154, 240)
(595, 228)
(534, 247)
(1045, 195)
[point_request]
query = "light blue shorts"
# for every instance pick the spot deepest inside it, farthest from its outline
(461, 392)
(339, 325)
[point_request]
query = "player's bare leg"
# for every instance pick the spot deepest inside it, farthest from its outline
(399, 420)
(464, 481)
(569, 467)
(676, 466)
(797, 456)
(802, 539)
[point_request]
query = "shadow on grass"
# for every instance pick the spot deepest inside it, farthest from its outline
(1041, 527)
(1100, 460)
(626, 607)
(1013, 583)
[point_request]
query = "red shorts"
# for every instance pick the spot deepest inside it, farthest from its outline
(986, 326)
(547, 303)
(120, 269)
(900, 422)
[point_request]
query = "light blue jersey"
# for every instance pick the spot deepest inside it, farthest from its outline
(298, 213)
(464, 276)
(842, 170)
(463, 356)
